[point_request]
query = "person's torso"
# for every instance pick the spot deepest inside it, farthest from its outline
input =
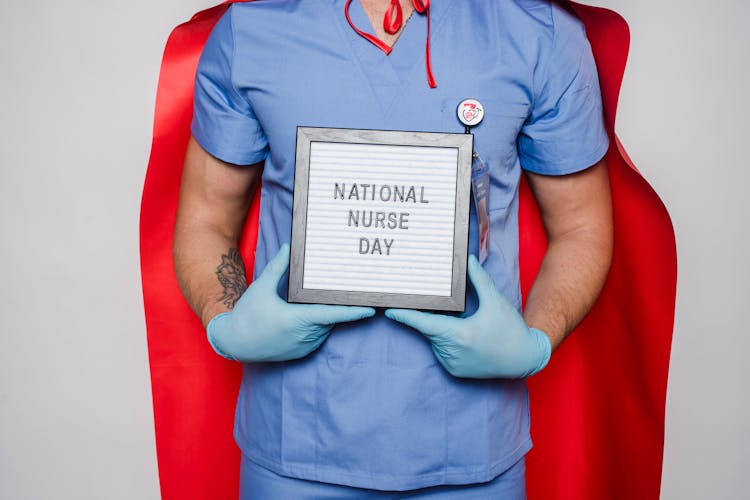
(372, 407)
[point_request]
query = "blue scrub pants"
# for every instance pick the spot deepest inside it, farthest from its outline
(259, 483)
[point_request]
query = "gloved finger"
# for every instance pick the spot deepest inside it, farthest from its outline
(277, 266)
(481, 280)
(330, 315)
(433, 326)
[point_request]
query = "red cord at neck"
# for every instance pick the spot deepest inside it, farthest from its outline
(393, 18)
(391, 24)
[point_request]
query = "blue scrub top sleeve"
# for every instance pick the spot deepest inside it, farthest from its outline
(224, 123)
(565, 131)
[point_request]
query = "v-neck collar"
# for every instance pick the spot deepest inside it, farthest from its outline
(386, 74)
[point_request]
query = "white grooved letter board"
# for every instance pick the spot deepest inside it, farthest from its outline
(380, 219)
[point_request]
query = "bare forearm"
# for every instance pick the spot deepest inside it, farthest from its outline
(212, 274)
(214, 199)
(576, 210)
(570, 279)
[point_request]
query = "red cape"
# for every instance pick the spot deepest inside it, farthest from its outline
(597, 409)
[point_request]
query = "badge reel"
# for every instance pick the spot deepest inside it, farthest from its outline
(471, 112)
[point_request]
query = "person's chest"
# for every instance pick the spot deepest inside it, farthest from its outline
(303, 65)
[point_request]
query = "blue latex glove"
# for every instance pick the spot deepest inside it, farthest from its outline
(493, 342)
(264, 327)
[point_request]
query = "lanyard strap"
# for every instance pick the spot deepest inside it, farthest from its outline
(391, 24)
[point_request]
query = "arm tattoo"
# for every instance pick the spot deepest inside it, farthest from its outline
(231, 274)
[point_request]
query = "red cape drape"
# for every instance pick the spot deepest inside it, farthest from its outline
(597, 409)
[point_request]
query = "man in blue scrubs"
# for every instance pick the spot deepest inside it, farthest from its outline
(349, 402)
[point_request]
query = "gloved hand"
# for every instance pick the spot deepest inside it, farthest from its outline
(264, 327)
(493, 342)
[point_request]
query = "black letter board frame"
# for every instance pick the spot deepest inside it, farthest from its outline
(456, 301)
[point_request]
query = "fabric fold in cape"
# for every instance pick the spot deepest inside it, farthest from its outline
(597, 411)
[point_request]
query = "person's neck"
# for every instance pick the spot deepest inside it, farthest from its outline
(375, 10)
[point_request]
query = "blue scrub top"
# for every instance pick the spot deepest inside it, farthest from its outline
(372, 407)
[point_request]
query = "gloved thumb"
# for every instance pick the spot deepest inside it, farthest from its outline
(432, 326)
(480, 279)
(276, 267)
(321, 314)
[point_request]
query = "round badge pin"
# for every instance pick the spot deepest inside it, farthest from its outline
(470, 112)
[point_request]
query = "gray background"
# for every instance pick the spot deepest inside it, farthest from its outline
(78, 85)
